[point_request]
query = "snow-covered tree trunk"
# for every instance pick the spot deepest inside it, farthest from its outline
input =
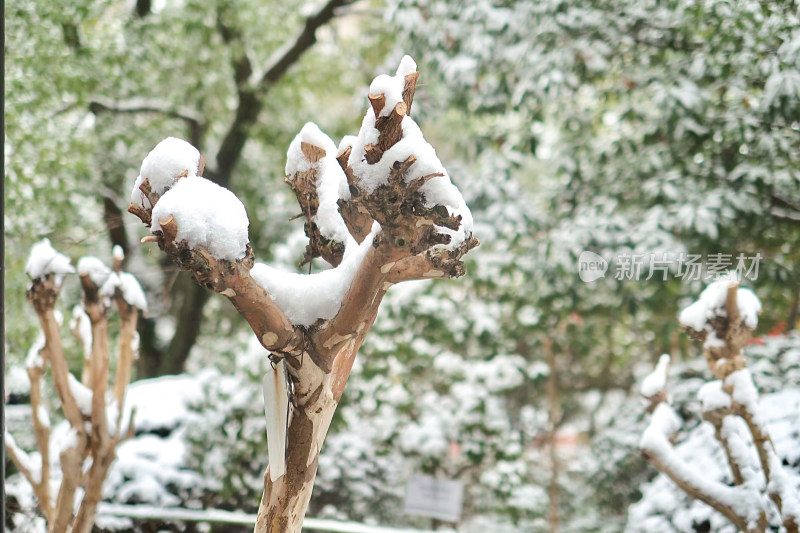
(380, 208)
(88, 452)
(723, 318)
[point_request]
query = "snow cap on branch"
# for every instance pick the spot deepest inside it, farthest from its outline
(712, 396)
(171, 159)
(306, 298)
(711, 304)
(370, 175)
(129, 287)
(331, 183)
(656, 381)
(205, 215)
(45, 260)
(97, 271)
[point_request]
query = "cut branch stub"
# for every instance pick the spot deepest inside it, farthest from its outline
(304, 185)
(43, 294)
(410, 227)
(728, 357)
(409, 87)
(355, 215)
(390, 132)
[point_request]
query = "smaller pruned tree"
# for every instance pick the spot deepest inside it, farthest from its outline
(93, 407)
(723, 319)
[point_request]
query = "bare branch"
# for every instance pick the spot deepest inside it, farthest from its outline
(129, 316)
(23, 463)
(42, 295)
(251, 100)
(194, 120)
(41, 430)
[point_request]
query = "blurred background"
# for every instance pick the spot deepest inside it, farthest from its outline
(615, 126)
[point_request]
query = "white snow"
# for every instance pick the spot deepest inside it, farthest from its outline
(161, 402)
(129, 286)
(68, 440)
(93, 267)
(744, 392)
(655, 440)
(712, 396)
(407, 66)
(331, 183)
(206, 215)
(34, 358)
(347, 142)
(712, 303)
(306, 298)
(655, 382)
(83, 324)
(391, 87)
(663, 424)
(41, 414)
(82, 394)
(663, 501)
(439, 190)
(780, 484)
(167, 162)
(27, 461)
(44, 260)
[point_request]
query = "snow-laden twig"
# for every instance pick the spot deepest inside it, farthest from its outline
(723, 318)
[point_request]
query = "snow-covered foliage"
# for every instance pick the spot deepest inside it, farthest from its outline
(665, 508)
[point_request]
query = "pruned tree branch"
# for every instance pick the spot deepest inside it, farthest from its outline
(723, 318)
(83, 404)
(395, 219)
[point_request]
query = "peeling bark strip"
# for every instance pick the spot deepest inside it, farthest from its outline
(93, 439)
(736, 396)
(319, 357)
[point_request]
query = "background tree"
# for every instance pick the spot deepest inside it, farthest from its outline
(94, 412)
